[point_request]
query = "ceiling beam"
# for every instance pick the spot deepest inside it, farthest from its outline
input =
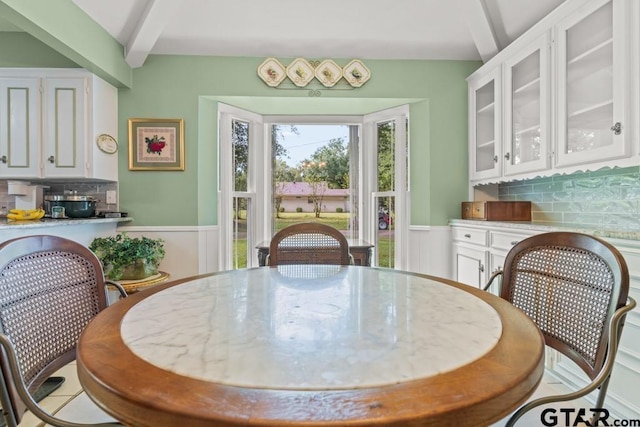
(151, 23)
(481, 28)
(69, 31)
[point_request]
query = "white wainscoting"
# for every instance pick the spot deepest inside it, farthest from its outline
(193, 250)
(430, 250)
(190, 250)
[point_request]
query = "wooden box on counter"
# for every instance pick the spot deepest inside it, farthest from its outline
(497, 211)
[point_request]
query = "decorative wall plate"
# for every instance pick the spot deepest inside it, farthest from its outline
(272, 72)
(107, 144)
(328, 73)
(300, 72)
(356, 73)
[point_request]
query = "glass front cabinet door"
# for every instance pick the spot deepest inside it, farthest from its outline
(527, 109)
(484, 125)
(592, 68)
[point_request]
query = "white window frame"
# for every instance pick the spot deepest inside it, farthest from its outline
(226, 193)
(306, 120)
(260, 191)
(400, 115)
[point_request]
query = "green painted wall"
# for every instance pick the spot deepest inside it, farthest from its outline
(22, 50)
(189, 87)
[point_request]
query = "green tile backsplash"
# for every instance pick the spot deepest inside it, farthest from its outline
(606, 199)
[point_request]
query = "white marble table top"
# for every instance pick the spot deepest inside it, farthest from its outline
(336, 328)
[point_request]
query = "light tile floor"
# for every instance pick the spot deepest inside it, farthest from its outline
(77, 405)
(547, 387)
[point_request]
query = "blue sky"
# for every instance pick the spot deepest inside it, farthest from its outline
(310, 138)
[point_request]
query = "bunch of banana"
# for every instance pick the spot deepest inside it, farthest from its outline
(25, 214)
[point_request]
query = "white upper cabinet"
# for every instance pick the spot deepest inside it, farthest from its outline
(20, 127)
(592, 76)
(526, 109)
(485, 115)
(50, 121)
(567, 87)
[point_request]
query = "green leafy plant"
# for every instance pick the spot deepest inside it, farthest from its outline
(124, 257)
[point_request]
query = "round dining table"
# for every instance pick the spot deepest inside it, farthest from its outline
(310, 345)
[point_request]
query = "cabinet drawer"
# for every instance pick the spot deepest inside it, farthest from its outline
(470, 235)
(504, 241)
(473, 210)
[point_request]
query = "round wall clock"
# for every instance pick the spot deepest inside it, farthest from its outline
(107, 143)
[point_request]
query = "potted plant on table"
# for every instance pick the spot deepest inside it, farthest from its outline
(126, 258)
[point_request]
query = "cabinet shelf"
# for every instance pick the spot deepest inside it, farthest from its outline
(598, 116)
(593, 52)
(529, 129)
(530, 87)
(485, 144)
(591, 109)
(486, 109)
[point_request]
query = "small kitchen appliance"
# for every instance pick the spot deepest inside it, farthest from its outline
(75, 206)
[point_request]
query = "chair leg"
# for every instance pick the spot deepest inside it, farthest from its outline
(602, 393)
(7, 409)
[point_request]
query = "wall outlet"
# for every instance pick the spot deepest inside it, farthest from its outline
(111, 197)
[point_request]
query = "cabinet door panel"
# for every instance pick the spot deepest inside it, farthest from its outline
(470, 266)
(65, 127)
(592, 68)
(484, 125)
(527, 106)
(19, 127)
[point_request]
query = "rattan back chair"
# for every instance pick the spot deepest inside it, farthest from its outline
(575, 287)
(309, 243)
(50, 289)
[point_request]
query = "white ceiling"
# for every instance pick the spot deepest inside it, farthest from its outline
(366, 29)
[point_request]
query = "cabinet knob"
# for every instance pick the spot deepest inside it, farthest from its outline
(468, 236)
(51, 159)
(514, 242)
(495, 159)
(3, 159)
(481, 268)
(617, 128)
(507, 156)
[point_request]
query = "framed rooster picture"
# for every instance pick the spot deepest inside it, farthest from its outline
(156, 144)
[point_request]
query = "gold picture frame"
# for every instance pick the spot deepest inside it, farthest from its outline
(156, 144)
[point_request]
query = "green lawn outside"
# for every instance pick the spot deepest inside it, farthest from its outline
(337, 220)
(386, 252)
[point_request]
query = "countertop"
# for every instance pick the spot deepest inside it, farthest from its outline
(545, 227)
(48, 222)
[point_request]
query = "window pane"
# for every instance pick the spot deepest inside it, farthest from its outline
(240, 139)
(385, 237)
(241, 206)
(386, 156)
(311, 175)
(406, 160)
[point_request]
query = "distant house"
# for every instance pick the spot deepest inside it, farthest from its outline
(299, 195)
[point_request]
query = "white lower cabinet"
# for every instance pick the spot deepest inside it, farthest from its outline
(470, 256)
(470, 266)
(471, 253)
